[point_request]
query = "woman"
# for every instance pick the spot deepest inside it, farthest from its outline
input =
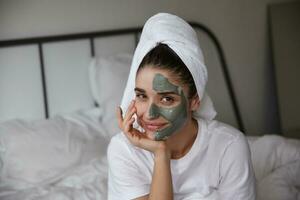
(170, 146)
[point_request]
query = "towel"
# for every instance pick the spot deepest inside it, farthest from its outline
(180, 37)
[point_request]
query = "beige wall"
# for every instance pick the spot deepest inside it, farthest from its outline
(240, 25)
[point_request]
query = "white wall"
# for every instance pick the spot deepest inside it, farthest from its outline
(240, 25)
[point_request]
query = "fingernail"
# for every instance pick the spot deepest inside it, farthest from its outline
(119, 107)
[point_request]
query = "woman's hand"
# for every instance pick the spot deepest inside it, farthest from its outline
(135, 136)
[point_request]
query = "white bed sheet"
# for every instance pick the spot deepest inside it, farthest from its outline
(62, 158)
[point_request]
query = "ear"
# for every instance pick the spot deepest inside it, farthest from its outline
(195, 103)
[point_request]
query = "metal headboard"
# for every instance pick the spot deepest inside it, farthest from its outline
(135, 31)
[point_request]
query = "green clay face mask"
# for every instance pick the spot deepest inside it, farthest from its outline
(176, 116)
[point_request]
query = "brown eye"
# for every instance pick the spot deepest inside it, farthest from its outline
(167, 100)
(140, 96)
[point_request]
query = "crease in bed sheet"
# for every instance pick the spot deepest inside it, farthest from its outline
(85, 176)
(85, 183)
(81, 137)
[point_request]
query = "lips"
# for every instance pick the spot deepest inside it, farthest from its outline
(152, 126)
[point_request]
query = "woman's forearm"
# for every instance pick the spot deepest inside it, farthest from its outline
(161, 186)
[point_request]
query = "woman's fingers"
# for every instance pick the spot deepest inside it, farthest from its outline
(128, 125)
(132, 134)
(144, 141)
(130, 112)
(119, 117)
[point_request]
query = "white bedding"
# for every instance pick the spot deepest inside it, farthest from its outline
(276, 162)
(62, 158)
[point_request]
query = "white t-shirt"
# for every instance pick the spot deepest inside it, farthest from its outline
(218, 166)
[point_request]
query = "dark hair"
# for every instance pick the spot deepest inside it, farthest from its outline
(163, 57)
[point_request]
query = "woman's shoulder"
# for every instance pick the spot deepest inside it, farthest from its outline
(218, 128)
(223, 134)
(118, 143)
(118, 138)
(121, 152)
(118, 151)
(120, 147)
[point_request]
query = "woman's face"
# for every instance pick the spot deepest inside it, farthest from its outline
(161, 102)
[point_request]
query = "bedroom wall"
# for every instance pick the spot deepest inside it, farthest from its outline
(241, 27)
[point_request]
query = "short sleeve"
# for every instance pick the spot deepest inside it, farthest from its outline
(125, 179)
(236, 170)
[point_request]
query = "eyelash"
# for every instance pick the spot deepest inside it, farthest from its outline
(165, 100)
(140, 96)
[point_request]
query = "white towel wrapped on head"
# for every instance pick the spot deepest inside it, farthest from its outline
(180, 37)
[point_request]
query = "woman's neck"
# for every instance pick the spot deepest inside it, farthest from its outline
(181, 142)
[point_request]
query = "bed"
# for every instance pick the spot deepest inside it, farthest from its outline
(58, 99)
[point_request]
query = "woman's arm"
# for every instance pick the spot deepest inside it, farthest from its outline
(161, 185)
(236, 170)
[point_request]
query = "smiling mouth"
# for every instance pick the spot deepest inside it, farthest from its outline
(153, 127)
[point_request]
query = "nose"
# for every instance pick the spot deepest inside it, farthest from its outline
(153, 112)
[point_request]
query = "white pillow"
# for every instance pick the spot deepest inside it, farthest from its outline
(281, 183)
(42, 151)
(108, 77)
(276, 162)
(270, 152)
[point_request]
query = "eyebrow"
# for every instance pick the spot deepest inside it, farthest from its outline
(167, 92)
(160, 93)
(139, 90)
